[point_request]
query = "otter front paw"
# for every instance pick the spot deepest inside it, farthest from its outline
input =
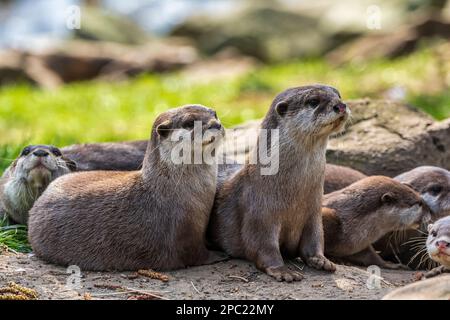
(283, 273)
(436, 271)
(321, 263)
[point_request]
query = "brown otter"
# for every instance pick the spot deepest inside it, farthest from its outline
(338, 177)
(114, 156)
(153, 218)
(433, 184)
(438, 246)
(28, 176)
(259, 217)
(360, 214)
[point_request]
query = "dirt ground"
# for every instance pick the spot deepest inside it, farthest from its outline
(234, 279)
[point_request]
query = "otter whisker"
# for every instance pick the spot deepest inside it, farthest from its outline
(415, 256)
(424, 256)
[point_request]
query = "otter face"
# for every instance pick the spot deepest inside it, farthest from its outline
(438, 241)
(40, 164)
(400, 206)
(186, 131)
(312, 110)
(433, 183)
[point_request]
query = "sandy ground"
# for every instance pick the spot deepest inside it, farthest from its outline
(234, 279)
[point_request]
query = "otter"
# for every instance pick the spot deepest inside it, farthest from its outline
(433, 184)
(152, 218)
(438, 246)
(110, 156)
(264, 217)
(27, 178)
(338, 177)
(360, 214)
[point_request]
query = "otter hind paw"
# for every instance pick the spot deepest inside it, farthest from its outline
(436, 271)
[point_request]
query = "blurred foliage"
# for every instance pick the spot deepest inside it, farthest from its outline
(102, 111)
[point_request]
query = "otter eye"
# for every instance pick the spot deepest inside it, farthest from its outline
(313, 102)
(56, 152)
(188, 124)
(26, 151)
(435, 190)
(434, 233)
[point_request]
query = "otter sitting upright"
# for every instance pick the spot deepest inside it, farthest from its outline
(259, 217)
(27, 177)
(153, 218)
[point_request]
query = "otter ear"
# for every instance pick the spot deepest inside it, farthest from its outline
(430, 226)
(72, 165)
(163, 128)
(282, 108)
(387, 197)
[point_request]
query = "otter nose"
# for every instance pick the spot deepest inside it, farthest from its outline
(442, 244)
(340, 107)
(40, 153)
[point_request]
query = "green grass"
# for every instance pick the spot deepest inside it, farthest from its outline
(102, 111)
(14, 237)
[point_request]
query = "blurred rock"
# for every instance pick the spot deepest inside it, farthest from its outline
(87, 60)
(430, 289)
(266, 33)
(390, 45)
(101, 25)
(12, 65)
(226, 64)
(384, 137)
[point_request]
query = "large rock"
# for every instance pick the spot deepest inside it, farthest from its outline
(431, 289)
(383, 137)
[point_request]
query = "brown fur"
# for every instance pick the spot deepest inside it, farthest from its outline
(153, 218)
(357, 216)
(338, 177)
(115, 156)
(259, 217)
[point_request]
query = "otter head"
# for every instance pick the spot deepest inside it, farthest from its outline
(438, 241)
(315, 110)
(184, 135)
(433, 183)
(38, 165)
(398, 205)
